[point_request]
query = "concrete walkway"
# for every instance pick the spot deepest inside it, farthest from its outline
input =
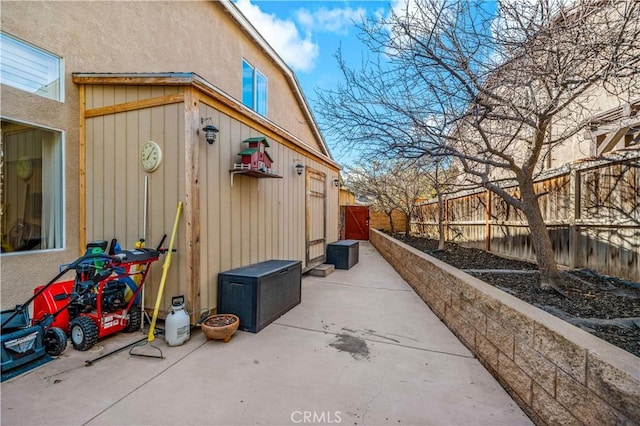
(361, 349)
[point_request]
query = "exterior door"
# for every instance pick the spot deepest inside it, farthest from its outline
(316, 218)
(356, 223)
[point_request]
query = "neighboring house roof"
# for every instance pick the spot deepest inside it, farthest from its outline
(235, 13)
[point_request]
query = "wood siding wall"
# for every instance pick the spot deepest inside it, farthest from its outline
(238, 220)
(592, 211)
(115, 181)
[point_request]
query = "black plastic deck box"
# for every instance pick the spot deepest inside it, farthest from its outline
(260, 293)
(343, 254)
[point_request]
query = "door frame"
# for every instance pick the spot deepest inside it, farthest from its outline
(311, 173)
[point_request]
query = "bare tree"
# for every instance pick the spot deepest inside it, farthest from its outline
(484, 85)
(442, 177)
(369, 179)
(394, 185)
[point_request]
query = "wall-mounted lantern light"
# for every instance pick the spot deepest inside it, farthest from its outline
(299, 168)
(210, 131)
(336, 182)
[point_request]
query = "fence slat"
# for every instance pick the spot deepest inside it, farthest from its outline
(592, 211)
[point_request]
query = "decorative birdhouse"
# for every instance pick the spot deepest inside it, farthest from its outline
(255, 155)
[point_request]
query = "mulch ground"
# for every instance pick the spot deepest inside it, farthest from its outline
(605, 306)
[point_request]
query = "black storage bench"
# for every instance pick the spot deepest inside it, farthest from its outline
(343, 254)
(260, 293)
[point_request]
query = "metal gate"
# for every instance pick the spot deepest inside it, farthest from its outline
(316, 218)
(356, 224)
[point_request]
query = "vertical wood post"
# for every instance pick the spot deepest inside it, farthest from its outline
(487, 233)
(192, 199)
(82, 173)
(446, 220)
(574, 215)
(307, 215)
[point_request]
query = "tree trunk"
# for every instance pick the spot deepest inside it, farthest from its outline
(393, 229)
(440, 222)
(549, 275)
(407, 225)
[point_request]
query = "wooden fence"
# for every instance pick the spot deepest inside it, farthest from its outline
(591, 208)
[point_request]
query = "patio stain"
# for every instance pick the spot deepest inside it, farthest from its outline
(355, 346)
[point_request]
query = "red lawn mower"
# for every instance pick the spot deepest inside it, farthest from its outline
(104, 297)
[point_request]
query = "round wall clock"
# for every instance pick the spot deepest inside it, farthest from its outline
(150, 156)
(24, 168)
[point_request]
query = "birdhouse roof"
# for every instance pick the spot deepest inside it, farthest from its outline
(257, 139)
(248, 151)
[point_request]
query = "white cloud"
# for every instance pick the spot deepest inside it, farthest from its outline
(335, 20)
(298, 51)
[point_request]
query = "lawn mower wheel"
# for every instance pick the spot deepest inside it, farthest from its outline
(83, 332)
(135, 320)
(55, 341)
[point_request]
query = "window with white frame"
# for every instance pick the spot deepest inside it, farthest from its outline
(31, 69)
(32, 208)
(254, 88)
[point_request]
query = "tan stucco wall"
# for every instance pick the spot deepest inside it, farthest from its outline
(140, 36)
(582, 145)
(125, 37)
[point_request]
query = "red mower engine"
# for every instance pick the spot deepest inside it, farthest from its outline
(104, 298)
(101, 306)
(112, 299)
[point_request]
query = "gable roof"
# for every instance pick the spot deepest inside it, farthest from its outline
(248, 151)
(251, 151)
(257, 139)
(254, 34)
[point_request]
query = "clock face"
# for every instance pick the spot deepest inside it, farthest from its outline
(24, 168)
(150, 156)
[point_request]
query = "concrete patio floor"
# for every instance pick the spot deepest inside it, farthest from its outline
(361, 349)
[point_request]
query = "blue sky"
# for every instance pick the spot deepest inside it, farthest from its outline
(306, 34)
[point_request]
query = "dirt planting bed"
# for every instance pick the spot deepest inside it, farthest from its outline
(604, 306)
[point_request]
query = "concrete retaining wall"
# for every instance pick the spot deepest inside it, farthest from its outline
(556, 372)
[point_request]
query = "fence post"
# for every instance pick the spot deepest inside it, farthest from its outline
(487, 226)
(446, 219)
(574, 214)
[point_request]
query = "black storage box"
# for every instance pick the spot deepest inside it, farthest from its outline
(260, 293)
(343, 254)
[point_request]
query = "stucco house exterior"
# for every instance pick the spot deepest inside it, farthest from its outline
(114, 76)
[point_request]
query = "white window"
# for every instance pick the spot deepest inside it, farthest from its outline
(32, 200)
(261, 93)
(31, 69)
(254, 88)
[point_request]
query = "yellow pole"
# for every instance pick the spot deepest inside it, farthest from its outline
(165, 270)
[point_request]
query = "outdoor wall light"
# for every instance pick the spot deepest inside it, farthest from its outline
(299, 168)
(210, 131)
(336, 182)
